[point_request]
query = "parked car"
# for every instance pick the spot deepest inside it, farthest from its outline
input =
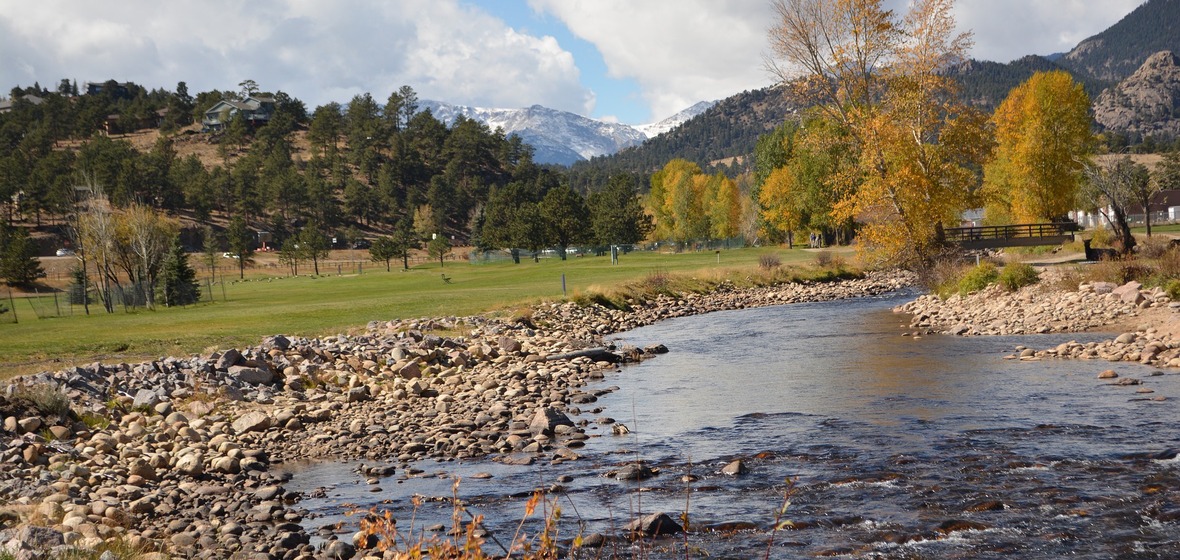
(362, 244)
(63, 252)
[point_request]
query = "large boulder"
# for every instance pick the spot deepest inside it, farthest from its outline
(410, 370)
(39, 538)
(256, 421)
(252, 375)
(735, 468)
(634, 471)
(145, 398)
(1129, 293)
(229, 358)
(654, 525)
(192, 464)
(509, 345)
(546, 420)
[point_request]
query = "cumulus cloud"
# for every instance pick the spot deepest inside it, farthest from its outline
(684, 51)
(317, 51)
(679, 52)
(1009, 29)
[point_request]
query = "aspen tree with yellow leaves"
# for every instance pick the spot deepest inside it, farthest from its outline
(877, 76)
(1043, 141)
(688, 205)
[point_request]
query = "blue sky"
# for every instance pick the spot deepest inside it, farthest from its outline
(631, 61)
(617, 98)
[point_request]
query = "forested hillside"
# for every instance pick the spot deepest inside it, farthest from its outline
(1117, 52)
(362, 168)
(984, 84)
(713, 139)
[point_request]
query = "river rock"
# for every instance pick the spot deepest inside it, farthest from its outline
(410, 370)
(227, 359)
(654, 525)
(278, 341)
(1129, 293)
(546, 420)
(655, 349)
(338, 550)
(634, 471)
(30, 424)
(145, 398)
(593, 540)
(252, 375)
(192, 464)
(1102, 287)
(358, 394)
(509, 345)
(956, 525)
(1108, 374)
(226, 465)
(986, 505)
(735, 468)
(256, 421)
(39, 538)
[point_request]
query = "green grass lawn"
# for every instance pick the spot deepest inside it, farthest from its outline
(1157, 228)
(312, 306)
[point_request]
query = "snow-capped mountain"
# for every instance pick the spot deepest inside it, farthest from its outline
(560, 136)
(657, 128)
(556, 136)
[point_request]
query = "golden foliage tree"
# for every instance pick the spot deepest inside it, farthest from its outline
(779, 200)
(723, 206)
(688, 205)
(1043, 139)
(878, 77)
(674, 202)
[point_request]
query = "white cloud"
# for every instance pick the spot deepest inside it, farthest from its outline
(679, 52)
(684, 51)
(317, 51)
(1009, 29)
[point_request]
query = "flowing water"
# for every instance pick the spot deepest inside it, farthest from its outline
(935, 447)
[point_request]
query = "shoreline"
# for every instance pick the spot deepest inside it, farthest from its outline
(1144, 323)
(185, 463)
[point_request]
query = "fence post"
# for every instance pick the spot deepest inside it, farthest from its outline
(12, 304)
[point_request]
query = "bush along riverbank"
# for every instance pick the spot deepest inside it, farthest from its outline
(174, 457)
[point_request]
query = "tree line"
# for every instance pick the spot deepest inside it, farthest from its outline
(361, 169)
(889, 148)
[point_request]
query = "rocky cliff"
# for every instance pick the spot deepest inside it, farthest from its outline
(1147, 104)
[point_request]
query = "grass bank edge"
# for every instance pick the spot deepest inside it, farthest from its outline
(53, 344)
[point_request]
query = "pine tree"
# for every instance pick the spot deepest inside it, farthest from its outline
(79, 293)
(178, 279)
(18, 257)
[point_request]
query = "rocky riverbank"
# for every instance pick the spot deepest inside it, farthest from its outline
(175, 457)
(1144, 322)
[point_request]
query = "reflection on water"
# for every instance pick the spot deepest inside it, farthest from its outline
(891, 437)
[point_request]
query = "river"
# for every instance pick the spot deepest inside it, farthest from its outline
(902, 447)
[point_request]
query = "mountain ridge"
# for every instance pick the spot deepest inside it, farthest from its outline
(561, 137)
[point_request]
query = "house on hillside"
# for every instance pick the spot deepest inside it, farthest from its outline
(257, 110)
(6, 105)
(117, 90)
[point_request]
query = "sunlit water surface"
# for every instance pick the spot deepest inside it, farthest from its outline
(889, 437)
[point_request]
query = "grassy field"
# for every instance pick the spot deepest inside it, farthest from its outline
(312, 306)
